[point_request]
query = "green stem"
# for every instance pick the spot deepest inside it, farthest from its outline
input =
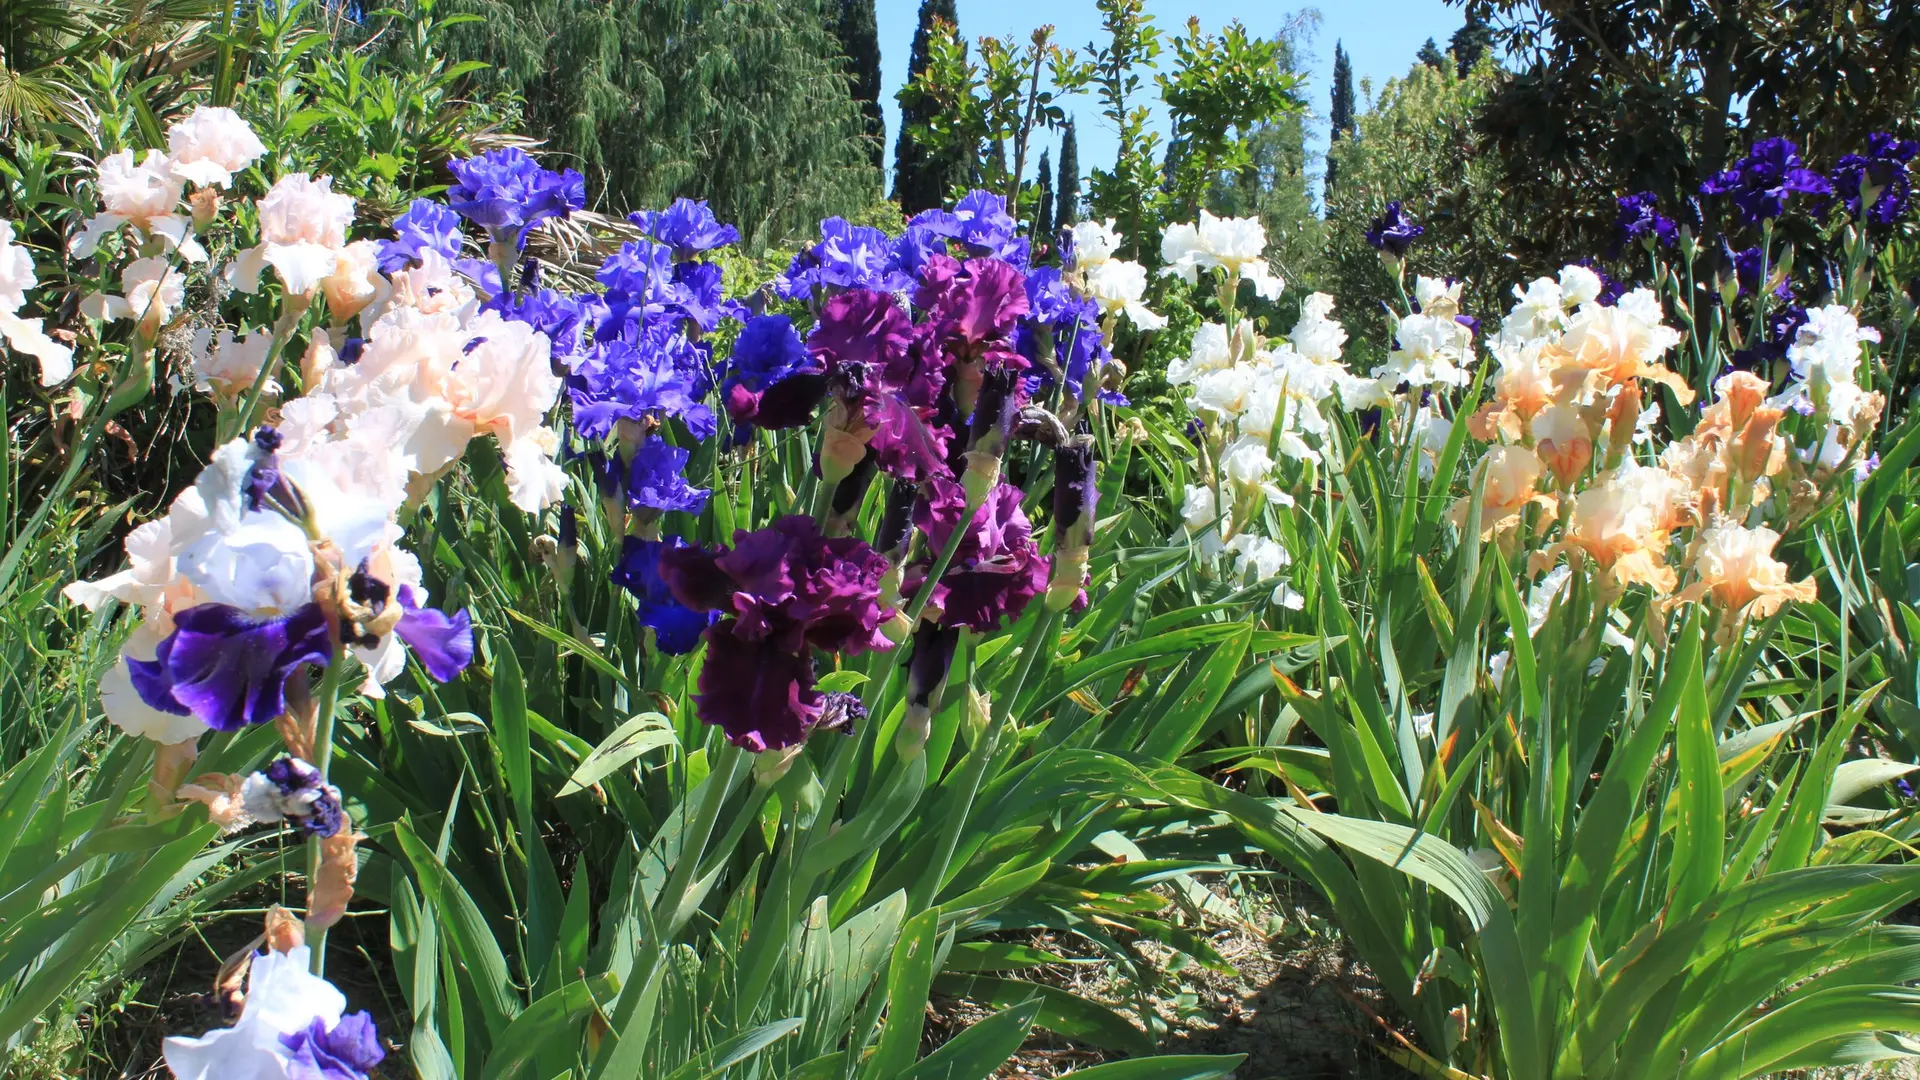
(325, 707)
(693, 840)
(927, 890)
(283, 330)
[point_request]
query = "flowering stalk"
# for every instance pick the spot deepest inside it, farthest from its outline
(322, 754)
(283, 329)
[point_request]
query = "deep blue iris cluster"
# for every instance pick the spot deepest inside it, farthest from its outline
(1883, 172)
(1072, 324)
(1640, 221)
(1393, 232)
(1759, 186)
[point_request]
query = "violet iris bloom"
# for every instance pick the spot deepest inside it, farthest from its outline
(507, 193)
(848, 256)
(442, 643)
(426, 226)
(657, 479)
(1760, 184)
(350, 1050)
(1638, 220)
(1393, 232)
(688, 227)
(1884, 168)
(874, 366)
(229, 669)
(772, 380)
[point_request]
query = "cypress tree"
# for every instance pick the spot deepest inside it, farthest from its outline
(920, 181)
(1471, 41)
(1430, 55)
(1043, 212)
(859, 38)
(1067, 191)
(1341, 116)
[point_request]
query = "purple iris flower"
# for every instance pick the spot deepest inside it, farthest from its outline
(554, 314)
(657, 481)
(639, 268)
(772, 380)
(350, 1050)
(1760, 184)
(1884, 168)
(981, 222)
(442, 643)
(688, 227)
(783, 591)
(1637, 220)
(1393, 232)
(997, 568)
(426, 226)
(1746, 264)
(972, 308)
(875, 365)
(229, 669)
(676, 627)
(659, 372)
(848, 256)
(304, 797)
(1074, 325)
(507, 192)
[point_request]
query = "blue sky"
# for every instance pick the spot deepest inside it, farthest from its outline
(1381, 36)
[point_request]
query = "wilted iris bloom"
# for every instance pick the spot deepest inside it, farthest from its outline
(507, 193)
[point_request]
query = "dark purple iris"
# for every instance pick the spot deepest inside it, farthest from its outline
(676, 627)
(1638, 221)
(1393, 232)
(972, 308)
(1746, 265)
(783, 590)
(657, 479)
(996, 570)
(933, 648)
(1076, 493)
(304, 797)
(1884, 169)
(507, 192)
(350, 1050)
(426, 226)
(229, 669)
(874, 365)
(1760, 184)
(687, 226)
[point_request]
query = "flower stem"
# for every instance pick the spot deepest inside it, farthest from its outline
(322, 750)
(283, 329)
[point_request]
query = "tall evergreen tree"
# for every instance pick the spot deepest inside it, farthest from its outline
(1043, 212)
(1471, 41)
(1341, 116)
(743, 102)
(1067, 191)
(921, 178)
(1429, 55)
(859, 36)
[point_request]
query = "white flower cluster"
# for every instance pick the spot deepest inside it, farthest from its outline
(1119, 286)
(1825, 360)
(1237, 247)
(1253, 398)
(1431, 347)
